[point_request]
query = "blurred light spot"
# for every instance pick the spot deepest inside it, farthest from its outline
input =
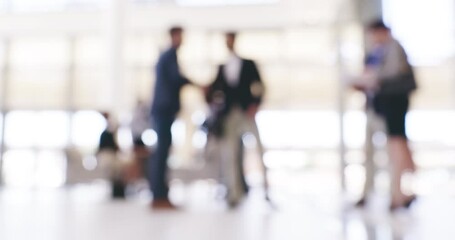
(199, 139)
(124, 137)
(178, 133)
(379, 139)
(285, 159)
(89, 163)
(249, 140)
(149, 137)
(198, 118)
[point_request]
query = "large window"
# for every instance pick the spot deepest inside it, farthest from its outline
(49, 5)
(38, 73)
(426, 28)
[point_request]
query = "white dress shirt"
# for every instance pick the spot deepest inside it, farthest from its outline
(232, 70)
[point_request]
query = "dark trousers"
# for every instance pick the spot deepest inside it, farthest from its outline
(157, 167)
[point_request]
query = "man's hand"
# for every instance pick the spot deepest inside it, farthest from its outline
(359, 87)
(252, 110)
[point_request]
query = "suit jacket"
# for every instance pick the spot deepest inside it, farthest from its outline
(249, 91)
(169, 81)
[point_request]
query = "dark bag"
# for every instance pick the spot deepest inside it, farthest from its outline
(403, 84)
(214, 124)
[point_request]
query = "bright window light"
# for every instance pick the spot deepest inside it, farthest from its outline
(299, 129)
(43, 129)
(52, 5)
(20, 129)
(1, 127)
(442, 128)
(87, 128)
(286, 159)
(178, 132)
(53, 130)
(18, 168)
(26, 168)
(222, 2)
(354, 128)
(426, 28)
(50, 169)
(320, 129)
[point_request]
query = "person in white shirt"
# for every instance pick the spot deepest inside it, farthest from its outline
(239, 84)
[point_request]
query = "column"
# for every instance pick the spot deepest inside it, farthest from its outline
(115, 95)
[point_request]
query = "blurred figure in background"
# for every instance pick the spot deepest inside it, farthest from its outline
(388, 82)
(140, 122)
(165, 106)
(237, 93)
(107, 157)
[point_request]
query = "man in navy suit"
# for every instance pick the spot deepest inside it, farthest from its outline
(165, 106)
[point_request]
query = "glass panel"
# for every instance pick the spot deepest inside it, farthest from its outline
(46, 5)
(88, 90)
(37, 89)
(313, 88)
(37, 76)
(90, 51)
(53, 5)
(143, 80)
(1, 128)
(314, 46)
(260, 46)
(221, 2)
(435, 87)
(39, 52)
(141, 51)
(194, 47)
(2, 54)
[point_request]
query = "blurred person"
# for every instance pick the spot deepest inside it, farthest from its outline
(236, 95)
(388, 81)
(140, 122)
(165, 106)
(108, 150)
(374, 122)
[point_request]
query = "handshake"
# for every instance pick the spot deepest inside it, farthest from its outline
(368, 81)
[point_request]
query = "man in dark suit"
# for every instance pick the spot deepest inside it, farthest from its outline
(239, 90)
(165, 106)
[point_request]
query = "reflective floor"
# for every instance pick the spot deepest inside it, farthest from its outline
(85, 212)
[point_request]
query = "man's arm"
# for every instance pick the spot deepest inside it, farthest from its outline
(257, 90)
(210, 89)
(173, 70)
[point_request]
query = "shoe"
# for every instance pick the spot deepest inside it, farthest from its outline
(162, 204)
(361, 203)
(407, 204)
(410, 201)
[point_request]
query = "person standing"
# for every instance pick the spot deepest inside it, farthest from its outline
(389, 81)
(165, 106)
(107, 155)
(239, 85)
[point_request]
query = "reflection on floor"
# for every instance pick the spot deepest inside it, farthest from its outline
(85, 212)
